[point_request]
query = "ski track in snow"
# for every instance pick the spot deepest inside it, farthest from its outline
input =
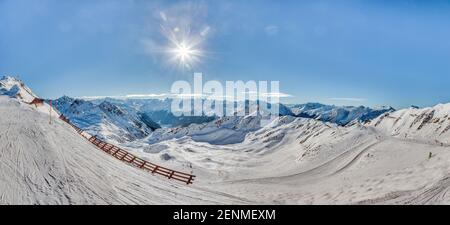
(344, 165)
(379, 170)
(46, 163)
(293, 161)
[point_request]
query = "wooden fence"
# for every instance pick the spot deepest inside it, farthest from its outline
(133, 160)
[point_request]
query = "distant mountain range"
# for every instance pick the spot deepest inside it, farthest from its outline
(130, 119)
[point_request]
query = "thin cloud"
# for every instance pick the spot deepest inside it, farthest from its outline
(269, 94)
(163, 16)
(205, 31)
(349, 99)
(271, 30)
(276, 95)
(131, 96)
(188, 95)
(147, 96)
(182, 96)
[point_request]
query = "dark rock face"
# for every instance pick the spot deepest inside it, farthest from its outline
(167, 157)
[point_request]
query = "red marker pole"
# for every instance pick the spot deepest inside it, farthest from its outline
(50, 122)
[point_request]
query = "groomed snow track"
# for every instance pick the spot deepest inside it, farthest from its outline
(131, 159)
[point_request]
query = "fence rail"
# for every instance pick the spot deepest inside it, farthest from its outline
(133, 160)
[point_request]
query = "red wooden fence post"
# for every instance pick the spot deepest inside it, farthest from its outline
(171, 174)
(123, 157)
(50, 121)
(189, 180)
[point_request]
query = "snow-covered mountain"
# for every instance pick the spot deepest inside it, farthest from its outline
(211, 129)
(15, 88)
(222, 131)
(341, 115)
(158, 110)
(429, 124)
(105, 119)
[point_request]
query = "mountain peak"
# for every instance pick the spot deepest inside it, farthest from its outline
(15, 88)
(10, 80)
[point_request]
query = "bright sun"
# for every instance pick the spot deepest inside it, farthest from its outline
(185, 53)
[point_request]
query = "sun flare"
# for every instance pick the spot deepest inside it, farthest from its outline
(185, 54)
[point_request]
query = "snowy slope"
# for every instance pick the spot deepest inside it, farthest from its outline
(106, 119)
(341, 115)
(305, 161)
(15, 88)
(429, 124)
(201, 128)
(222, 131)
(401, 157)
(44, 163)
(157, 110)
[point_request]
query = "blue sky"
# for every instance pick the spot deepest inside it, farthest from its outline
(338, 52)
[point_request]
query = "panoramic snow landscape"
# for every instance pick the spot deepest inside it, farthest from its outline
(191, 102)
(395, 157)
